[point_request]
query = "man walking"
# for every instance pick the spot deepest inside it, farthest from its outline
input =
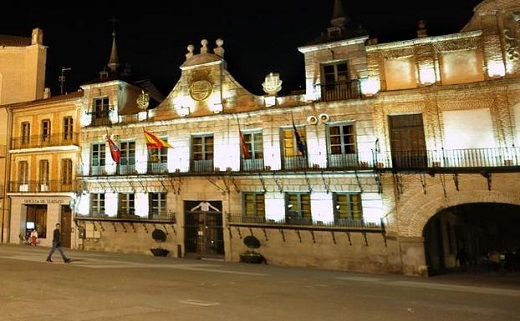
(56, 245)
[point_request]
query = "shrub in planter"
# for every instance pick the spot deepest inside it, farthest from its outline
(251, 256)
(159, 236)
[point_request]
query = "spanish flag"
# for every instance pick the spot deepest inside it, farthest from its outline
(153, 141)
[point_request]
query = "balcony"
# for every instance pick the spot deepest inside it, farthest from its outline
(468, 159)
(341, 90)
(157, 168)
(100, 118)
(303, 223)
(252, 165)
(458, 160)
(41, 141)
(202, 166)
(128, 216)
(52, 186)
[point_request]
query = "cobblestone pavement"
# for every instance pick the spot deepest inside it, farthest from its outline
(108, 286)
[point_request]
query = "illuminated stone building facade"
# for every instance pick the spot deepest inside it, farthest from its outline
(359, 173)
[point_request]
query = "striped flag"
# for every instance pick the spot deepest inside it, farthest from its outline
(153, 141)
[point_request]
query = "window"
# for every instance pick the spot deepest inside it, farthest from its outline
(126, 205)
(158, 159)
(43, 175)
(158, 155)
(97, 204)
(46, 130)
(26, 132)
(291, 147)
(293, 152)
(336, 82)
(68, 128)
(97, 159)
(23, 176)
(254, 208)
(66, 172)
(342, 139)
(342, 146)
(202, 153)
(127, 162)
(348, 207)
(101, 111)
(203, 147)
(255, 146)
(335, 73)
(298, 208)
(127, 153)
(157, 205)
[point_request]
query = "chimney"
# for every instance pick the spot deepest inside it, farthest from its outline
(421, 30)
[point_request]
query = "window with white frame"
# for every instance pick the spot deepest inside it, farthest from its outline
(97, 204)
(342, 145)
(157, 205)
(97, 159)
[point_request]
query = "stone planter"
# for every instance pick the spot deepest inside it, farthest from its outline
(251, 257)
(159, 252)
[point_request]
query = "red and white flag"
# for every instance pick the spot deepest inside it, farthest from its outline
(115, 152)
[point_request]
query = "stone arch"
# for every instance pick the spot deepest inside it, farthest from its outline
(412, 225)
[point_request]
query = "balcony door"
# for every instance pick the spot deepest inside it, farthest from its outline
(407, 141)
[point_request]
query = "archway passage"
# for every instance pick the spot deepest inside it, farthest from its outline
(479, 229)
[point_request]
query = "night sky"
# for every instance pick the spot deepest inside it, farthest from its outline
(259, 36)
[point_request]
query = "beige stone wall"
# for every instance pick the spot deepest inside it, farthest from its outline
(22, 73)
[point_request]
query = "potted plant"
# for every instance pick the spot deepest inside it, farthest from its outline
(159, 236)
(251, 255)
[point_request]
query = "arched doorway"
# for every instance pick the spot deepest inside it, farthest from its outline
(478, 227)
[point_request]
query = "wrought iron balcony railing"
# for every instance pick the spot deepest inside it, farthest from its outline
(51, 186)
(237, 219)
(162, 216)
(341, 90)
(427, 160)
(40, 141)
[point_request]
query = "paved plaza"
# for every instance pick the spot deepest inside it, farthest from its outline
(108, 286)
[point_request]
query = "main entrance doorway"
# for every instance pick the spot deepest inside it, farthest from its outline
(204, 235)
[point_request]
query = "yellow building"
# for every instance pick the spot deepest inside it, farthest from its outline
(22, 78)
(43, 157)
